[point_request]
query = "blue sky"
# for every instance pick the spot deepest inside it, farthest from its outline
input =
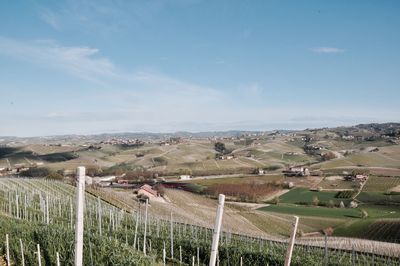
(93, 66)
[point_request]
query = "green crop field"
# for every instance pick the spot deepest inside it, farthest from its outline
(305, 195)
(382, 211)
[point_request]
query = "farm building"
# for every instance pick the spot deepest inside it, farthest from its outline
(148, 191)
(358, 177)
(296, 171)
(226, 157)
(184, 177)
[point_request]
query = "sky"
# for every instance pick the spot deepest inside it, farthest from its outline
(107, 66)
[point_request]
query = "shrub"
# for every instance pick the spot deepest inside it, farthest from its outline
(55, 176)
(36, 172)
(315, 201)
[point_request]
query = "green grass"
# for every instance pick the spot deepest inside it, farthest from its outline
(382, 211)
(313, 211)
(238, 180)
(383, 230)
(305, 195)
(378, 198)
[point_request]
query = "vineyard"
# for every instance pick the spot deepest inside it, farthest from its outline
(38, 211)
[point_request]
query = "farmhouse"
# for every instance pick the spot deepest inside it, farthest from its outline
(226, 157)
(148, 191)
(296, 171)
(184, 177)
(359, 177)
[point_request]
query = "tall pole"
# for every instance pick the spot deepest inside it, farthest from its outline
(217, 229)
(289, 251)
(80, 200)
(172, 238)
(99, 213)
(39, 256)
(136, 229)
(145, 227)
(22, 252)
(8, 250)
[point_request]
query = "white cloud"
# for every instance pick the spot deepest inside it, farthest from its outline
(327, 50)
(83, 62)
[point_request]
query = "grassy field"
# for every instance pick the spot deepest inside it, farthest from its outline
(313, 211)
(305, 195)
(378, 198)
(258, 179)
(382, 211)
(383, 230)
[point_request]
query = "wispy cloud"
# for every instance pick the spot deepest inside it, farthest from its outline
(50, 17)
(149, 88)
(103, 16)
(327, 50)
(80, 61)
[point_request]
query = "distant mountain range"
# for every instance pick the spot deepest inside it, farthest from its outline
(391, 128)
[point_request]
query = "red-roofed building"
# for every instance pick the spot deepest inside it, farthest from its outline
(147, 191)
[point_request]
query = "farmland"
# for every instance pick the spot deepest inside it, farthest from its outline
(110, 232)
(261, 200)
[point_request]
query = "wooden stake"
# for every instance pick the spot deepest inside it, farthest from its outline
(289, 252)
(80, 200)
(198, 256)
(217, 229)
(180, 254)
(17, 203)
(99, 213)
(22, 252)
(38, 255)
(145, 228)
(8, 250)
(136, 229)
(164, 254)
(58, 258)
(47, 210)
(172, 238)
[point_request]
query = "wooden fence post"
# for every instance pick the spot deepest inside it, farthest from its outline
(8, 250)
(80, 201)
(58, 258)
(38, 255)
(145, 227)
(22, 252)
(289, 252)
(217, 230)
(172, 238)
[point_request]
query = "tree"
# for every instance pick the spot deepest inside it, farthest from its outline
(36, 172)
(220, 147)
(93, 171)
(276, 200)
(364, 214)
(315, 201)
(160, 189)
(331, 204)
(329, 156)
